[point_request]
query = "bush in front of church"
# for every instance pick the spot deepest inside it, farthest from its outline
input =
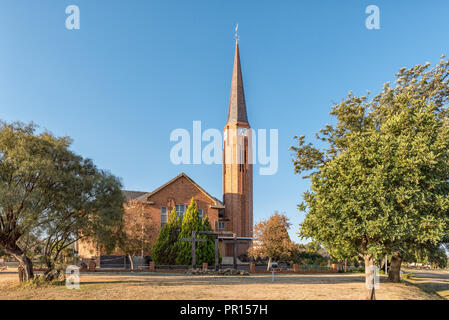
(205, 251)
(164, 250)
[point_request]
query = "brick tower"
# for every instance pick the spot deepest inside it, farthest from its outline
(237, 168)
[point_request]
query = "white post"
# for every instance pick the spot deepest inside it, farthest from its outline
(272, 275)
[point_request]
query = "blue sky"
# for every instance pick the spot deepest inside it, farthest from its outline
(138, 69)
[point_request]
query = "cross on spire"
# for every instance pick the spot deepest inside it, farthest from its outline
(236, 37)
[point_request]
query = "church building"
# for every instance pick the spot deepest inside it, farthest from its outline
(233, 214)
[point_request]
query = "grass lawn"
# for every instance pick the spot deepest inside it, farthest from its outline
(180, 286)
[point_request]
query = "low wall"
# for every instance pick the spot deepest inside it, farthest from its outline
(248, 267)
(181, 271)
(299, 271)
(122, 264)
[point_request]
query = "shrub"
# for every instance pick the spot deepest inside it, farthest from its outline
(164, 251)
(205, 251)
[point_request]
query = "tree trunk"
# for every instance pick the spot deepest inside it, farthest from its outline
(52, 273)
(382, 264)
(25, 264)
(369, 261)
(395, 267)
(48, 274)
(269, 264)
(131, 261)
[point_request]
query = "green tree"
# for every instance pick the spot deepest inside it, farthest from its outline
(204, 250)
(310, 253)
(382, 182)
(164, 250)
(46, 189)
(426, 253)
(313, 246)
(302, 257)
(94, 211)
(429, 255)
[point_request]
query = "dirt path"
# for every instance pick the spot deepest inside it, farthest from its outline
(179, 286)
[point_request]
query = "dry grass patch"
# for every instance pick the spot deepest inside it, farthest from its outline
(183, 287)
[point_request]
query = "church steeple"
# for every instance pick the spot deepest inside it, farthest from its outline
(237, 167)
(237, 106)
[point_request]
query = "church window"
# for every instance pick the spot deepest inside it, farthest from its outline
(180, 210)
(163, 216)
(200, 213)
(221, 225)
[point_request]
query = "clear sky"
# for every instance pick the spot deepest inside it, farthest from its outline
(138, 69)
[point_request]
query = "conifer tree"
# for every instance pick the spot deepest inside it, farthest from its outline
(204, 250)
(164, 250)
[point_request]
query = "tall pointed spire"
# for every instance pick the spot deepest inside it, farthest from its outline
(237, 106)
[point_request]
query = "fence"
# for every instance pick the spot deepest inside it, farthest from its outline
(312, 267)
(122, 264)
(114, 262)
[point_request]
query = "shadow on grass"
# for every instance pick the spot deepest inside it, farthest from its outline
(435, 283)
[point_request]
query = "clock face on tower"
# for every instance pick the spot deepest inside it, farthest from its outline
(242, 131)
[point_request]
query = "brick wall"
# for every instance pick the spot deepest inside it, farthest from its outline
(180, 191)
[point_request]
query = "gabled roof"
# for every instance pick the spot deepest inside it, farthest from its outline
(130, 195)
(144, 197)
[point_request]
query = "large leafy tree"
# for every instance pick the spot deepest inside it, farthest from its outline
(271, 239)
(380, 181)
(93, 212)
(47, 190)
(205, 251)
(427, 254)
(164, 250)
